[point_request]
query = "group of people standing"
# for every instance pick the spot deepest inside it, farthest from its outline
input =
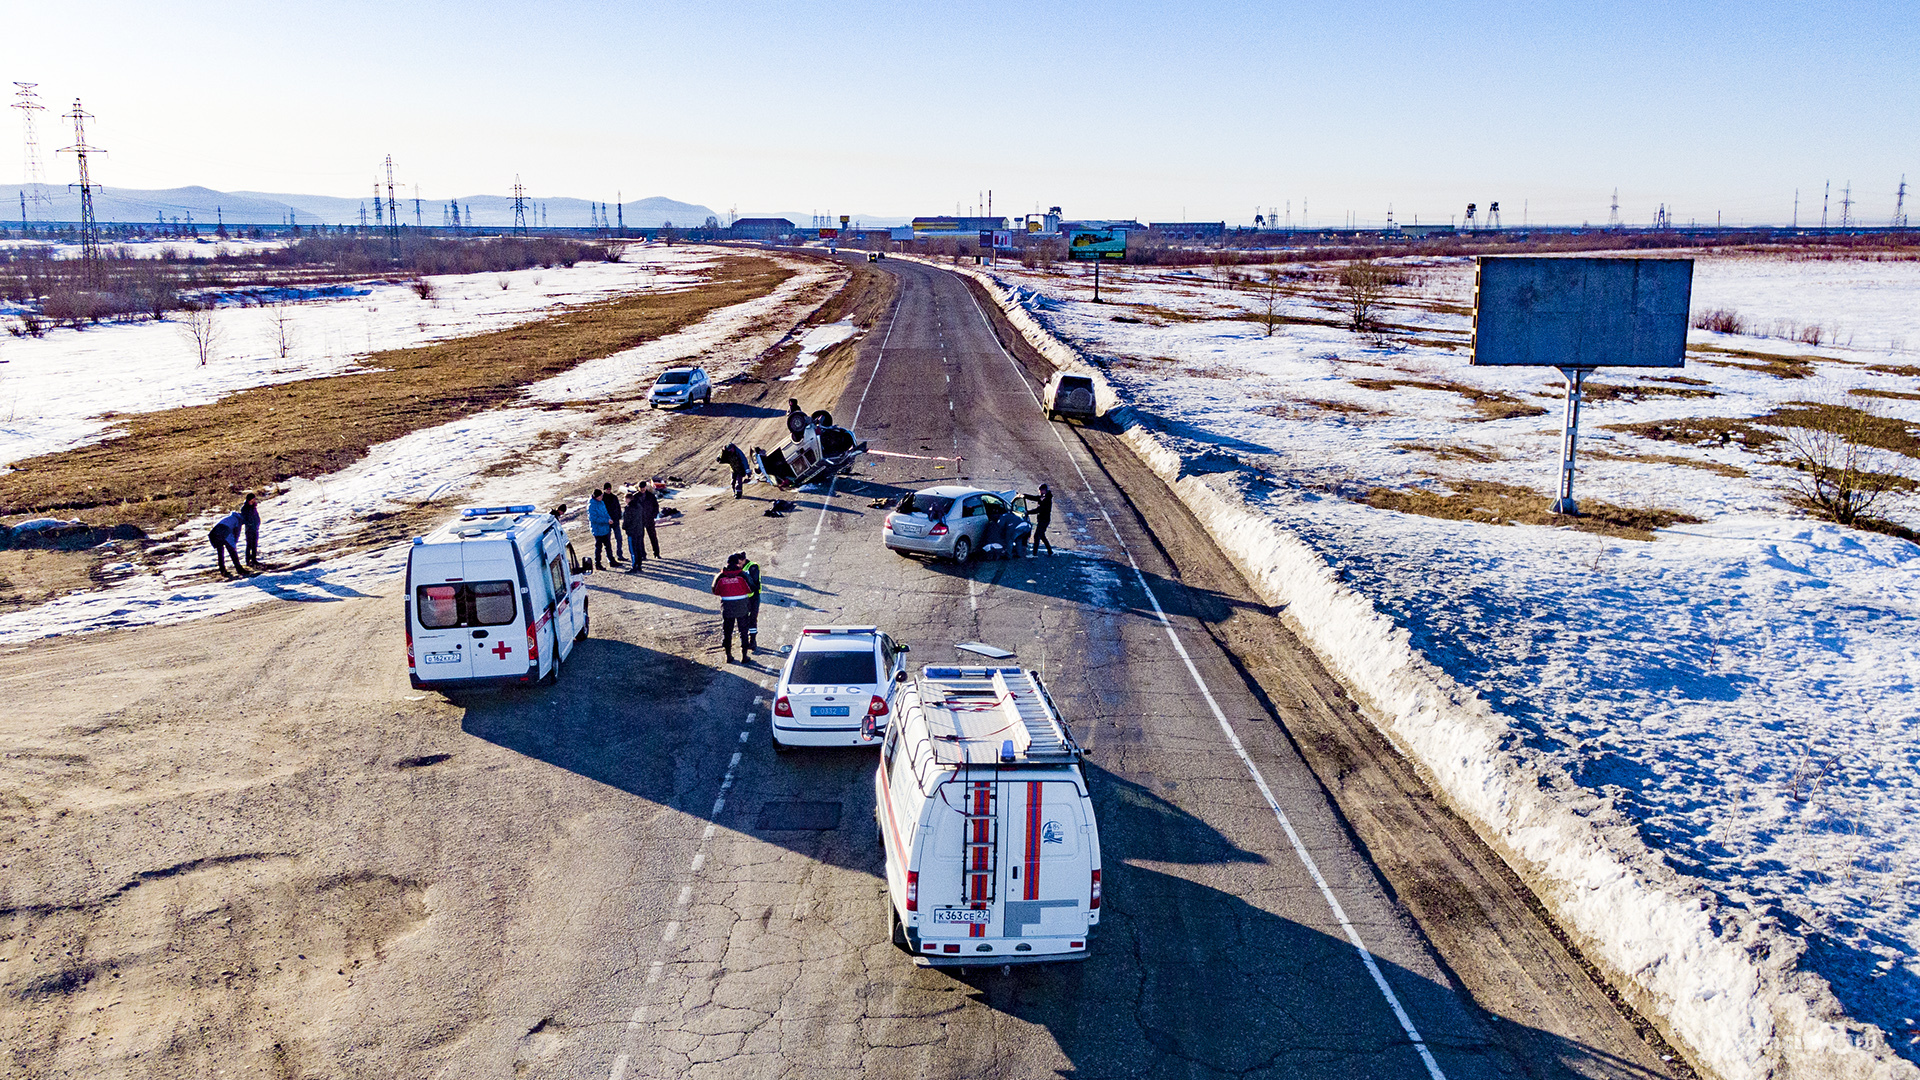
(620, 531)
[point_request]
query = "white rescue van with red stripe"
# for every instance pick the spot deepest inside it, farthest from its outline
(493, 597)
(993, 856)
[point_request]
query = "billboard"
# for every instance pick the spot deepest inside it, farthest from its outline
(1548, 311)
(1097, 244)
(829, 234)
(1002, 240)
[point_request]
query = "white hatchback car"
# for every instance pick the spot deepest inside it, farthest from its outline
(838, 687)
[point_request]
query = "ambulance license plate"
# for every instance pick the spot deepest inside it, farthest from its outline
(443, 657)
(961, 915)
(829, 710)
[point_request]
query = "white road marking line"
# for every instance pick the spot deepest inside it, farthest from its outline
(708, 833)
(735, 762)
(686, 895)
(654, 969)
(1259, 780)
(973, 594)
(672, 931)
(619, 1068)
(639, 1017)
(699, 860)
(743, 736)
(719, 804)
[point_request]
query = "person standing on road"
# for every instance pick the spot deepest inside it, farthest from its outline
(250, 518)
(649, 497)
(630, 517)
(602, 524)
(612, 502)
(752, 570)
(1042, 517)
(735, 592)
(222, 537)
(736, 459)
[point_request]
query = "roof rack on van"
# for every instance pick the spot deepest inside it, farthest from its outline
(494, 511)
(993, 716)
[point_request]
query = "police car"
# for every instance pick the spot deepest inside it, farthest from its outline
(838, 687)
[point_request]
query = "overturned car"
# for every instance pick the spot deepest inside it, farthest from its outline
(818, 450)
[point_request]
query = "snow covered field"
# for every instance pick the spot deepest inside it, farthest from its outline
(1737, 697)
(315, 518)
(56, 390)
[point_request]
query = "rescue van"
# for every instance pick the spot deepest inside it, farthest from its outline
(493, 597)
(993, 856)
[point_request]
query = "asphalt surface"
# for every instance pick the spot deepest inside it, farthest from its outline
(286, 862)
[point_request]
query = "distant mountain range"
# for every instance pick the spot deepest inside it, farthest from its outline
(207, 207)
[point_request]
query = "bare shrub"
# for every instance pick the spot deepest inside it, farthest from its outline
(503, 281)
(1810, 335)
(1841, 475)
(1720, 321)
(1270, 292)
(422, 288)
(281, 314)
(202, 331)
(1363, 283)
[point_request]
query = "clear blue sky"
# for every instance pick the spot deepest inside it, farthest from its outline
(1151, 110)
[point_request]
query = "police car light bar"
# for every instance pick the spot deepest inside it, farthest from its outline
(494, 511)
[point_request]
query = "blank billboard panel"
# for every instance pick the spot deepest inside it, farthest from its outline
(1581, 312)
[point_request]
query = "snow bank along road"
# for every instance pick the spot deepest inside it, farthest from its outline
(245, 845)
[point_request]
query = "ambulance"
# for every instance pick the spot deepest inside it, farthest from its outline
(493, 597)
(993, 855)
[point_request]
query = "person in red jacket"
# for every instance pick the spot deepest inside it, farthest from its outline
(736, 605)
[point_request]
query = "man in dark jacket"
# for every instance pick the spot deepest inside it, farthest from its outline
(1041, 510)
(752, 570)
(736, 459)
(612, 503)
(735, 592)
(250, 519)
(630, 518)
(649, 509)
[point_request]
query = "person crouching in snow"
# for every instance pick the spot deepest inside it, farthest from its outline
(223, 536)
(736, 605)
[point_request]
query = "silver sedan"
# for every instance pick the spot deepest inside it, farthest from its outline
(952, 522)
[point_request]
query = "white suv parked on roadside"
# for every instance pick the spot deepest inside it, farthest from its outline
(838, 687)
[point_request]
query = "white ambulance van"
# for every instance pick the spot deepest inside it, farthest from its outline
(993, 856)
(493, 597)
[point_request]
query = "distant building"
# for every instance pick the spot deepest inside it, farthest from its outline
(760, 228)
(930, 227)
(1415, 232)
(1127, 225)
(1189, 230)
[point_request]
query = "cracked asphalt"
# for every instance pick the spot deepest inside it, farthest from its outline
(581, 886)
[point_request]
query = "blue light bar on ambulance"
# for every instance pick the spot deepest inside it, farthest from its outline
(494, 511)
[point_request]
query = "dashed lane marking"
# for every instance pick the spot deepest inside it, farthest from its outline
(1259, 779)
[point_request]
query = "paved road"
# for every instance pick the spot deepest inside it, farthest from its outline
(246, 847)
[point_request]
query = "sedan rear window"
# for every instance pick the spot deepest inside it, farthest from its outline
(676, 377)
(471, 603)
(934, 506)
(831, 668)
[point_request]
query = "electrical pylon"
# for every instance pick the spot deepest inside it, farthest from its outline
(393, 216)
(1900, 205)
(519, 208)
(34, 204)
(89, 233)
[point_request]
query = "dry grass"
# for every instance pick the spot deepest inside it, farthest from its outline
(1702, 430)
(1505, 504)
(1866, 428)
(1907, 370)
(1669, 459)
(1307, 407)
(1774, 364)
(1898, 395)
(1490, 404)
(1454, 452)
(176, 463)
(1598, 391)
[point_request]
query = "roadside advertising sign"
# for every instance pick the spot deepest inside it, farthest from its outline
(1003, 239)
(1097, 244)
(829, 234)
(1550, 311)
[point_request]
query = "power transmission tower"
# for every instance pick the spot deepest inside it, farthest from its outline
(417, 222)
(519, 208)
(1613, 212)
(89, 233)
(393, 216)
(1825, 193)
(1846, 206)
(35, 193)
(620, 208)
(379, 208)
(1900, 205)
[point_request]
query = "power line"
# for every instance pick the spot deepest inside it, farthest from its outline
(89, 233)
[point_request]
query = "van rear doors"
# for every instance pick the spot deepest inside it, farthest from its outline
(466, 613)
(1007, 863)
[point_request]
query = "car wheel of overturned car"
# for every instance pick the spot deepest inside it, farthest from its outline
(823, 418)
(961, 549)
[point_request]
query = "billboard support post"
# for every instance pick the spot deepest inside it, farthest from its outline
(1096, 281)
(1575, 377)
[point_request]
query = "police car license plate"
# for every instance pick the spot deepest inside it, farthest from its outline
(829, 710)
(961, 915)
(443, 657)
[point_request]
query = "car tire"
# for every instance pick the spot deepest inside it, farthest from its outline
(586, 621)
(823, 418)
(962, 551)
(895, 931)
(780, 747)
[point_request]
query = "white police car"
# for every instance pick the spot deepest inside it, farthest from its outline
(838, 687)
